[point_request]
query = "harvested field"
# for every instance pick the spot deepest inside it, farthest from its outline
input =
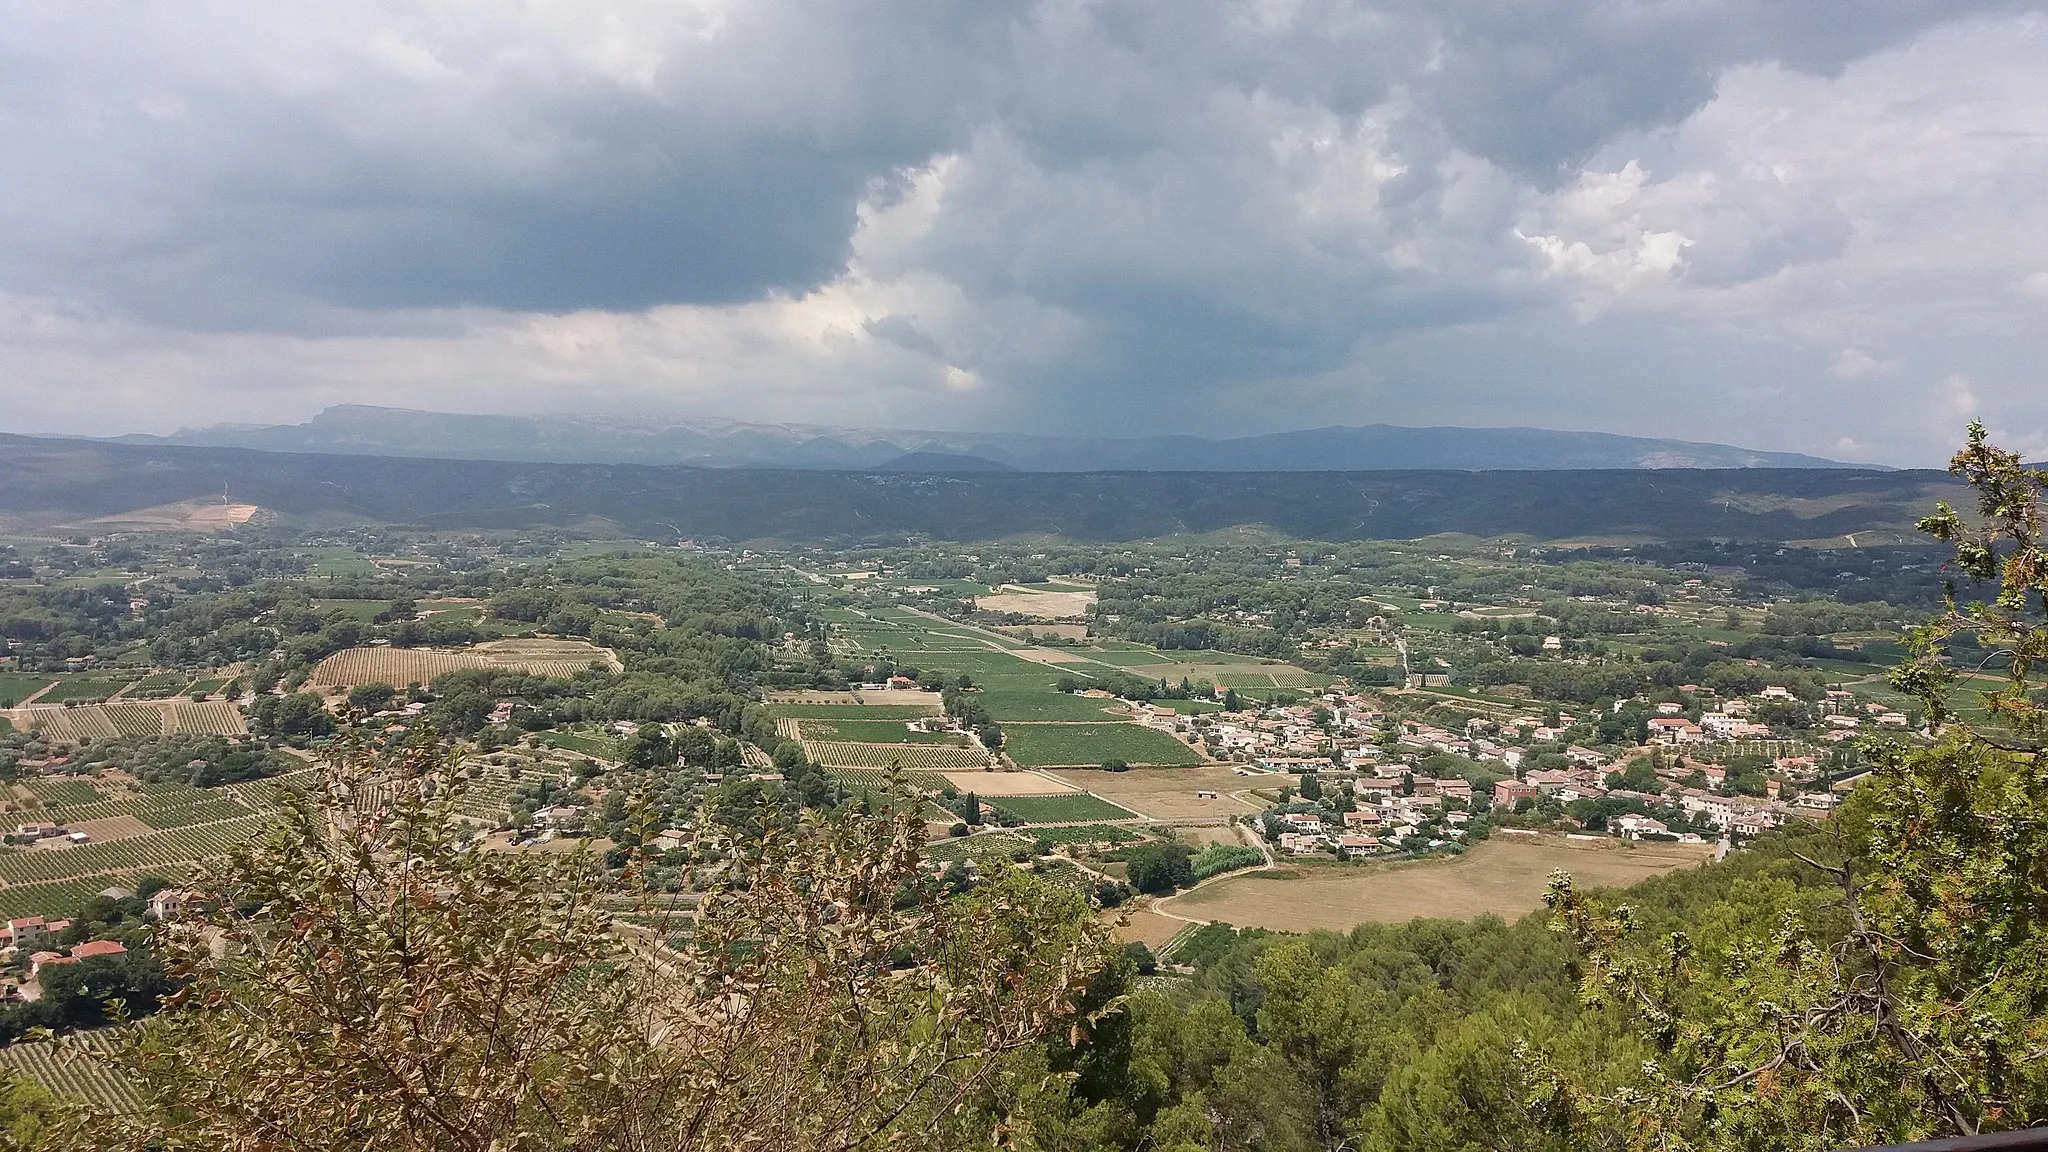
(1042, 605)
(1168, 793)
(1502, 877)
(1149, 928)
(110, 828)
(399, 667)
(1066, 808)
(992, 784)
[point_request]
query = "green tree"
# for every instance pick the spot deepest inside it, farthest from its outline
(1909, 1005)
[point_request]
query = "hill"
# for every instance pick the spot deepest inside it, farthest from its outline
(596, 439)
(57, 482)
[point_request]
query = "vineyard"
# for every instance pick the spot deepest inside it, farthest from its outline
(873, 732)
(877, 779)
(911, 757)
(400, 667)
(74, 1066)
(135, 719)
(158, 849)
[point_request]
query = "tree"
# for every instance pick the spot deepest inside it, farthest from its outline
(1907, 1006)
(394, 991)
(1231, 703)
(1115, 766)
(1159, 868)
(1311, 787)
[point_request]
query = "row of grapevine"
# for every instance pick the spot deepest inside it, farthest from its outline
(166, 809)
(181, 845)
(75, 1066)
(399, 667)
(136, 719)
(64, 897)
(57, 790)
(878, 778)
(72, 725)
(914, 757)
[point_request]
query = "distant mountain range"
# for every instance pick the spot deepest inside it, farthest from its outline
(357, 429)
(95, 485)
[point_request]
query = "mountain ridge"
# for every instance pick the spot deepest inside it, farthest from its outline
(358, 429)
(48, 483)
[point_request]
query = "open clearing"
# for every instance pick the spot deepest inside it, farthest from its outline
(1169, 793)
(184, 516)
(1504, 877)
(1150, 928)
(399, 667)
(1006, 783)
(1040, 605)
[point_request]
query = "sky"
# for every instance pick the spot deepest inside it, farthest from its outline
(1756, 222)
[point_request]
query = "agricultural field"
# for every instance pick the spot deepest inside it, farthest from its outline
(1169, 793)
(400, 667)
(1070, 808)
(874, 732)
(1500, 877)
(53, 880)
(989, 785)
(911, 757)
(1009, 706)
(18, 686)
(890, 711)
(138, 829)
(981, 846)
(138, 718)
(81, 688)
(876, 779)
(74, 1067)
(1087, 834)
(1050, 745)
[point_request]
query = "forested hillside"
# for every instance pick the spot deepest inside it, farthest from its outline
(59, 482)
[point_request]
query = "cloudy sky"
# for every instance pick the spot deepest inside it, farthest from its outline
(1752, 221)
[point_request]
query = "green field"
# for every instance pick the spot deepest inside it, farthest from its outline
(875, 732)
(1066, 808)
(18, 686)
(1046, 745)
(1014, 706)
(588, 743)
(82, 688)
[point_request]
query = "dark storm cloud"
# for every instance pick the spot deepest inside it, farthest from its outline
(1027, 212)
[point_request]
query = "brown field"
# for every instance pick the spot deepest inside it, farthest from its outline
(399, 667)
(1506, 878)
(1167, 793)
(111, 828)
(1042, 605)
(1150, 928)
(1007, 783)
(184, 516)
